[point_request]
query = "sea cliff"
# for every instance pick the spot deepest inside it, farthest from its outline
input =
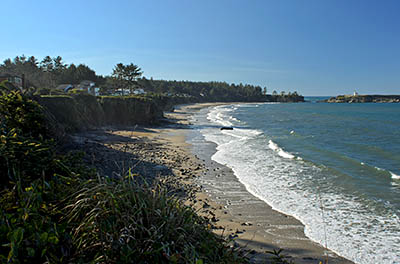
(82, 112)
(79, 112)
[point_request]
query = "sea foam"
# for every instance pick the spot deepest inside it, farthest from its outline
(298, 188)
(394, 176)
(272, 145)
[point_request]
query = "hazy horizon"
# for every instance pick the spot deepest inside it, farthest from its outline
(317, 48)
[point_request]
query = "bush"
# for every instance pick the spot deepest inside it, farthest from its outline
(23, 159)
(22, 114)
(25, 153)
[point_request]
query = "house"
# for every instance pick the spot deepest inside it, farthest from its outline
(122, 91)
(139, 91)
(15, 80)
(90, 87)
(65, 87)
(87, 86)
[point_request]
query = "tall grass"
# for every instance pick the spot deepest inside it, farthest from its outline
(124, 222)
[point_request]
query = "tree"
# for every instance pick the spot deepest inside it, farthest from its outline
(264, 91)
(58, 64)
(7, 62)
(46, 64)
(126, 75)
(118, 75)
(33, 62)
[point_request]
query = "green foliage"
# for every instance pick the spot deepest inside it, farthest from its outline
(24, 158)
(5, 86)
(22, 114)
(56, 210)
(123, 222)
(48, 73)
(124, 76)
(30, 231)
(25, 153)
(204, 91)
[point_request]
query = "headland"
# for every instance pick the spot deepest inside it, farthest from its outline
(364, 99)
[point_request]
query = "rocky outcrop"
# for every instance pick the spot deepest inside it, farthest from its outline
(364, 99)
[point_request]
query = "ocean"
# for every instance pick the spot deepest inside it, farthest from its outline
(335, 167)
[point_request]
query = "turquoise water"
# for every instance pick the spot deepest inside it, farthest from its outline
(335, 167)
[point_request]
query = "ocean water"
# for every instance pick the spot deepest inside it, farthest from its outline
(335, 167)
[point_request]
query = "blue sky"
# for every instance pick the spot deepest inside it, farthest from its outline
(315, 47)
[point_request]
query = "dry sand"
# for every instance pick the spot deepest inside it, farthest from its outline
(211, 188)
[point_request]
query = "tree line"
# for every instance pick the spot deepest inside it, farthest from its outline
(51, 72)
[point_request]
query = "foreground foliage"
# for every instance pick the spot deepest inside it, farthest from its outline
(56, 210)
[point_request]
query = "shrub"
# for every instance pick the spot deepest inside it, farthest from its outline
(22, 114)
(25, 153)
(23, 159)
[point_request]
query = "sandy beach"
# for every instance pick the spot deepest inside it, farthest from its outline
(212, 189)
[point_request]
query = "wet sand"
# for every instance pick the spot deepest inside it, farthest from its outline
(210, 188)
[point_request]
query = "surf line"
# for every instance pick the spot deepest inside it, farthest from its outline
(324, 224)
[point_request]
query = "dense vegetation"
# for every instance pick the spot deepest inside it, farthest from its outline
(47, 74)
(56, 210)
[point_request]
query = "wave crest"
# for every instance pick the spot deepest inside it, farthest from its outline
(272, 145)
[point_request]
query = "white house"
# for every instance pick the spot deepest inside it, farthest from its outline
(139, 91)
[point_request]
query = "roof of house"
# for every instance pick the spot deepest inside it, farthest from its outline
(64, 86)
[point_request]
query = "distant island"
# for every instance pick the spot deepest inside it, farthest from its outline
(356, 98)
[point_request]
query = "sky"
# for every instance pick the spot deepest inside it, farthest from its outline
(314, 47)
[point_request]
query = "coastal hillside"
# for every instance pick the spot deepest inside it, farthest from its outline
(364, 99)
(57, 209)
(79, 112)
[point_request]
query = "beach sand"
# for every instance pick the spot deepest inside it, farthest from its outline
(210, 188)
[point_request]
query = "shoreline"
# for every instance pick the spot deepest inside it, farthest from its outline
(164, 151)
(254, 223)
